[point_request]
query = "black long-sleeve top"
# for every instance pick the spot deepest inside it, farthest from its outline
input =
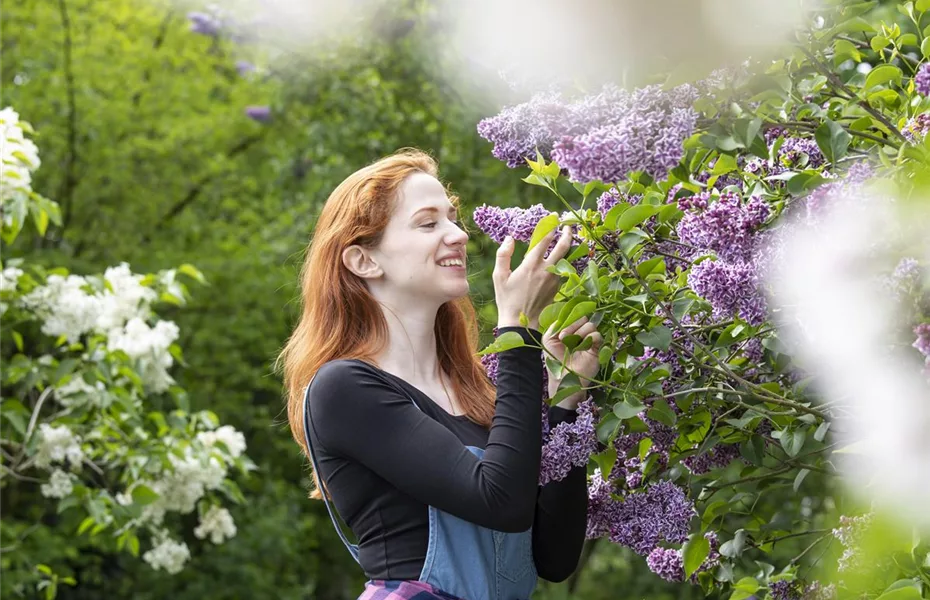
(385, 461)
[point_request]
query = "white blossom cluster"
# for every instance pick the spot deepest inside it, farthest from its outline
(57, 444)
(9, 279)
(59, 485)
(19, 157)
(200, 469)
(167, 554)
(216, 523)
(73, 306)
(227, 434)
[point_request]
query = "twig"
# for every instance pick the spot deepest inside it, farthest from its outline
(836, 81)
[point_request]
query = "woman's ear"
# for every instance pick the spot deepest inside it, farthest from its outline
(358, 260)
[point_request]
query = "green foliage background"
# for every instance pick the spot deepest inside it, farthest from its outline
(146, 146)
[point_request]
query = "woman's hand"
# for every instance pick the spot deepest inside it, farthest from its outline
(584, 363)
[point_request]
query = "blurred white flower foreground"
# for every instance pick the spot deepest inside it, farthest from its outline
(845, 320)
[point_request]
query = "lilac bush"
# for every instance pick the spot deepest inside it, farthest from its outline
(684, 197)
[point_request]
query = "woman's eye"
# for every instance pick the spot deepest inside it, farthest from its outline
(433, 224)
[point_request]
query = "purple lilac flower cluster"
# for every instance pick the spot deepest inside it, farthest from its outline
(600, 505)
(800, 152)
(206, 23)
(629, 468)
(922, 343)
(818, 591)
(645, 132)
(516, 222)
(645, 519)
(729, 228)
(816, 202)
(669, 564)
(519, 131)
(717, 457)
(849, 534)
(731, 288)
(519, 223)
(569, 445)
(726, 226)
(784, 589)
(262, 114)
(244, 67)
(922, 80)
(916, 128)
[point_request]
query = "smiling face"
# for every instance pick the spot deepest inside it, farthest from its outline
(421, 255)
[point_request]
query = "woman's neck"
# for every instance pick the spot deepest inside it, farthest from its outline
(411, 351)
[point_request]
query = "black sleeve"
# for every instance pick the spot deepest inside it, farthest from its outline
(561, 517)
(356, 414)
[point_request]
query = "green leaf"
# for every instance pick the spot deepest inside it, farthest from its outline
(833, 140)
(545, 225)
(843, 49)
(744, 588)
(662, 413)
(606, 428)
(694, 553)
(18, 340)
(793, 440)
(506, 341)
(879, 42)
(192, 272)
(733, 548)
(143, 495)
(582, 309)
(908, 39)
(85, 525)
(821, 432)
(549, 315)
(922, 5)
(628, 408)
(881, 75)
(799, 479)
(610, 219)
(658, 337)
(634, 216)
(925, 47)
(725, 163)
(902, 593)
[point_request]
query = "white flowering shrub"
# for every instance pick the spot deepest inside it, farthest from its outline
(92, 423)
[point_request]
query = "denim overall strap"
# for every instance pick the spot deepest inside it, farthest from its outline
(353, 548)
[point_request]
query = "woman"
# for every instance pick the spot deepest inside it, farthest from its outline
(434, 470)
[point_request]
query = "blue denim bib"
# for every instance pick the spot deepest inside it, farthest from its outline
(462, 559)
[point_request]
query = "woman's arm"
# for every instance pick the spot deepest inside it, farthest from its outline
(561, 517)
(356, 413)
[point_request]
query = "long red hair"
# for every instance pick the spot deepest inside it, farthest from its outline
(340, 317)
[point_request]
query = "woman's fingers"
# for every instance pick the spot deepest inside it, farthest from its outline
(561, 247)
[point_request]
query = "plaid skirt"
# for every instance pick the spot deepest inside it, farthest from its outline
(381, 589)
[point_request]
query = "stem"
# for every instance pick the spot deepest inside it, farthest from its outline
(836, 81)
(750, 479)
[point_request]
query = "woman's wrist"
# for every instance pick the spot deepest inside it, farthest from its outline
(515, 322)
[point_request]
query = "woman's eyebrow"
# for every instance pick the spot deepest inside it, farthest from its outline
(432, 209)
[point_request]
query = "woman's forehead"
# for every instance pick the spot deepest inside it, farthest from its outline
(421, 190)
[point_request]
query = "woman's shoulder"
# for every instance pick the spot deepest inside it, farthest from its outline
(342, 375)
(342, 370)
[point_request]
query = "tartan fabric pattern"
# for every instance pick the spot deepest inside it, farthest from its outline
(380, 589)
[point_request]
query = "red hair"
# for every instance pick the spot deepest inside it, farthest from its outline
(340, 317)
